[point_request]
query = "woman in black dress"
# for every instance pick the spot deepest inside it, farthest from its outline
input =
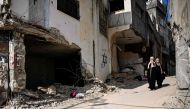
(158, 70)
(151, 73)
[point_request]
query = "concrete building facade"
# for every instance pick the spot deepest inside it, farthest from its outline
(44, 43)
(132, 36)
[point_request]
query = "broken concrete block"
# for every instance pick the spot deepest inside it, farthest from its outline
(89, 91)
(51, 90)
(42, 89)
(112, 88)
(30, 94)
(48, 90)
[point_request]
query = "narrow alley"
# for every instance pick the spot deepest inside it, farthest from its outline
(134, 98)
(131, 94)
(95, 54)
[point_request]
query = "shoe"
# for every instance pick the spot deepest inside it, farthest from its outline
(159, 86)
(152, 88)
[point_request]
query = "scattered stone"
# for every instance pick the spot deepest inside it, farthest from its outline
(103, 85)
(62, 98)
(174, 102)
(112, 88)
(89, 91)
(51, 90)
(48, 90)
(30, 94)
(42, 89)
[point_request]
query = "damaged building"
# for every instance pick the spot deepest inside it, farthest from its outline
(127, 35)
(158, 13)
(44, 42)
(133, 38)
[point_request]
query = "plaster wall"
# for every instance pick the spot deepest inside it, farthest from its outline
(181, 16)
(89, 32)
(82, 32)
(68, 26)
(20, 8)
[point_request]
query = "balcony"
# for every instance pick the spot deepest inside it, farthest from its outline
(134, 21)
(120, 19)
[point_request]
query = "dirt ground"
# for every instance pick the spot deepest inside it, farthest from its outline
(137, 97)
(128, 94)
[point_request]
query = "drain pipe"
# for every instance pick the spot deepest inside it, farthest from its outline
(94, 66)
(8, 70)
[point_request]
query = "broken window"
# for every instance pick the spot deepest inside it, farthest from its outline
(70, 7)
(116, 5)
(103, 16)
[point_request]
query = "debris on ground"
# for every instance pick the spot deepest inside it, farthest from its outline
(174, 102)
(48, 90)
(63, 95)
(59, 95)
(30, 93)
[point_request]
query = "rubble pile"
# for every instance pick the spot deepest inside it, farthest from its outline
(124, 82)
(131, 62)
(58, 95)
(175, 102)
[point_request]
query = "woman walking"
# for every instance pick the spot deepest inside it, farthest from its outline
(159, 73)
(151, 73)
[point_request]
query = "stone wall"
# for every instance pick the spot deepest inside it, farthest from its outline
(181, 35)
(18, 75)
(181, 26)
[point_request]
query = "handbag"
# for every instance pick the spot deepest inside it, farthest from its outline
(163, 76)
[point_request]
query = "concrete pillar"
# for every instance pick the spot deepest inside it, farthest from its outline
(182, 60)
(17, 63)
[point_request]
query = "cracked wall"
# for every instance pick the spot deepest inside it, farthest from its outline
(181, 34)
(17, 59)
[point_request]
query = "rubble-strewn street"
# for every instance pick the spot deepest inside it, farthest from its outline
(135, 97)
(62, 96)
(102, 54)
(130, 94)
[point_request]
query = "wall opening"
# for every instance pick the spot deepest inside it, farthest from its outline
(116, 5)
(70, 7)
(48, 63)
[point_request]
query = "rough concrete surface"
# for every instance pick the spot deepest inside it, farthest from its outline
(139, 97)
(134, 95)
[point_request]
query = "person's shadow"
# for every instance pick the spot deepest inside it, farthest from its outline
(165, 85)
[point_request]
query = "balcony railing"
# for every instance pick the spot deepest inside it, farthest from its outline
(120, 19)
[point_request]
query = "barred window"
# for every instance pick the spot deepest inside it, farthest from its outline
(70, 7)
